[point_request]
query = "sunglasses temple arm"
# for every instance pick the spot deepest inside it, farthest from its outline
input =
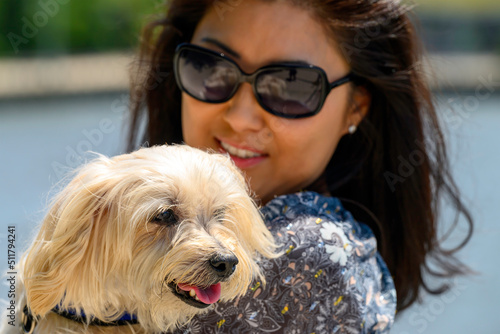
(341, 81)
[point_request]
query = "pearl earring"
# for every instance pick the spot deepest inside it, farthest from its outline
(352, 129)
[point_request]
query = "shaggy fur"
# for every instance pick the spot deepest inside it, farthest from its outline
(102, 249)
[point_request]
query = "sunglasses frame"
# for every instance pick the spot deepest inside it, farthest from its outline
(326, 87)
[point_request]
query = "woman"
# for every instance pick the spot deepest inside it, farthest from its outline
(359, 125)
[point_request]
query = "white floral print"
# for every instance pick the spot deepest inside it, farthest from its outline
(340, 247)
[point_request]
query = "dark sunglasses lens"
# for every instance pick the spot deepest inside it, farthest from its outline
(290, 92)
(206, 77)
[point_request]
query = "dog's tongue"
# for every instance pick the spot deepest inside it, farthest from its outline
(209, 295)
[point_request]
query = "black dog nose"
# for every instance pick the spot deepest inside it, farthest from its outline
(224, 264)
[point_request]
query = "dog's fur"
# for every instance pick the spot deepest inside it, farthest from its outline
(100, 250)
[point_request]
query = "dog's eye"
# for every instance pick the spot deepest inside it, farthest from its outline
(166, 217)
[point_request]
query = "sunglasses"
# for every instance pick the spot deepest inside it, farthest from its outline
(284, 90)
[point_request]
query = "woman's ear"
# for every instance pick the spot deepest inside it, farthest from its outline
(360, 106)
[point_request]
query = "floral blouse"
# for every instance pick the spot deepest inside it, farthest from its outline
(330, 278)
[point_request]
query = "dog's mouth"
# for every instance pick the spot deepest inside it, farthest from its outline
(196, 296)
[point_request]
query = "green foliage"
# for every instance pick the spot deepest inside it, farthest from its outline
(51, 27)
(46, 27)
(468, 7)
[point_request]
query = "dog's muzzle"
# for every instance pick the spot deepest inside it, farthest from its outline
(221, 266)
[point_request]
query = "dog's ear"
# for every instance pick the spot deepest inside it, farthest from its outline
(234, 171)
(254, 231)
(253, 237)
(72, 254)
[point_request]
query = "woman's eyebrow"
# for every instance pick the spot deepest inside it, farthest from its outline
(222, 46)
(236, 55)
(290, 62)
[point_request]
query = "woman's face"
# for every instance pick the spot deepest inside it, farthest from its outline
(287, 154)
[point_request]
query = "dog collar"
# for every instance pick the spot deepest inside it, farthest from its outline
(29, 322)
(125, 319)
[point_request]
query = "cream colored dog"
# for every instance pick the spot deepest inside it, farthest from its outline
(140, 243)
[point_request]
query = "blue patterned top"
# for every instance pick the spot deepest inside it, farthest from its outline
(330, 278)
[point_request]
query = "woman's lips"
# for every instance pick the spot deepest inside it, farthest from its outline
(243, 157)
(238, 146)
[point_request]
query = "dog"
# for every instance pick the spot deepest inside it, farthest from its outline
(140, 243)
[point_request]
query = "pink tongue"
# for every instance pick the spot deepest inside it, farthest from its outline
(209, 295)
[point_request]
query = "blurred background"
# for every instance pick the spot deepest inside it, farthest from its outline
(63, 92)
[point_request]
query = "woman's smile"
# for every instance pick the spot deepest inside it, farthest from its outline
(244, 157)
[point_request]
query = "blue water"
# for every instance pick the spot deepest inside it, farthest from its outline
(40, 139)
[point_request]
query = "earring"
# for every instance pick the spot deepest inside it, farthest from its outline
(352, 129)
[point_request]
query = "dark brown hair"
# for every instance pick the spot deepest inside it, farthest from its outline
(391, 174)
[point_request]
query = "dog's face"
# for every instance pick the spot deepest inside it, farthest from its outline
(163, 233)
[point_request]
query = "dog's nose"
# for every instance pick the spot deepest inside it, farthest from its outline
(224, 264)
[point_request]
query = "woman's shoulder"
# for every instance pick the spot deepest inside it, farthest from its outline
(305, 208)
(337, 255)
(310, 218)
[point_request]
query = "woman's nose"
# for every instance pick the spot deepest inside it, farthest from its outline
(244, 112)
